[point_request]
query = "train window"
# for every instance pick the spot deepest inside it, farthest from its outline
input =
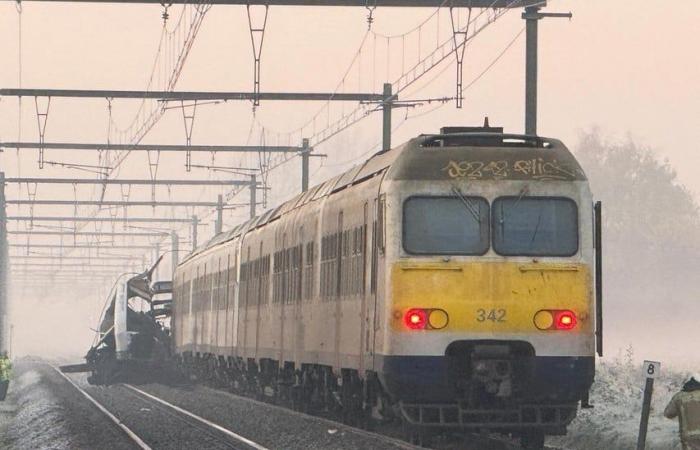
(446, 225)
(535, 226)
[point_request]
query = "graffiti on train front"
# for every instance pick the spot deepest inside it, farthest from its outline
(535, 168)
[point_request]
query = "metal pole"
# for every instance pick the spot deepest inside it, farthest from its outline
(598, 208)
(646, 408)
(531, 17)
(386, 117)
(219, 214)
(253, 194)
(4, 265)
(305, 165)
(194, 232)
(173, 251)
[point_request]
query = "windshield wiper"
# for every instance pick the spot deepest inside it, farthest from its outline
(537, 228)
(524, 191)
(467, 203)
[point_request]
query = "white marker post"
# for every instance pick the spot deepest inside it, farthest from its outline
(651, 370)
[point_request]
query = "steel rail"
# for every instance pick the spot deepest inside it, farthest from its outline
(209, 423)
(133, 436)
(330, 422)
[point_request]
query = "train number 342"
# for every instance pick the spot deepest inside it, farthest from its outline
(492, 315)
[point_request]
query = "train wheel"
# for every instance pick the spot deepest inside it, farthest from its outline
(532, 440)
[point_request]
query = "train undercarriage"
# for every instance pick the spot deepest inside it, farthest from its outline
(363, 402)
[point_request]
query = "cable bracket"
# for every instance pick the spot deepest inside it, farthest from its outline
(459, 39)
(42, 115)
(257, 35)
(188, 115)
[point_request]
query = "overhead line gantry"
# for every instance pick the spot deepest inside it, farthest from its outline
(153, 204)
(130, 182)
(101, 219)
(96, 246)
(362, 3)
(192, 95)
(90, 233)
(151, 147)
(78, 257)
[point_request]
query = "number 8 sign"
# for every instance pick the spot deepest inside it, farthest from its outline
(651, 369)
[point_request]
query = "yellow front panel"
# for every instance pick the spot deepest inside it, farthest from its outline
(492, 297)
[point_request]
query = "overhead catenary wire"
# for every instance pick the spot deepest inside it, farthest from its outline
(283, 160)
(266, 162)
(346, 121)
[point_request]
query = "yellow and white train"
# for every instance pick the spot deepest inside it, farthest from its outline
(453, 282)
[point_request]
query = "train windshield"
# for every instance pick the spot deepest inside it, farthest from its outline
(446, 225)
(531, 226)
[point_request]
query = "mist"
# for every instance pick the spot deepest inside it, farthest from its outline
(651, 249)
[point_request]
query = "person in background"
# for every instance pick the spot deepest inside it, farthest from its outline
(5, 372)
(686, 406)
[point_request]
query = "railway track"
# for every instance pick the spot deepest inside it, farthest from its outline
(389, 435)
(177, 421)
(329, 422)
(152, 417)
(165, 425)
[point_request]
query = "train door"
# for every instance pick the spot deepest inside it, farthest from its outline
(244, 302)
(194, 300)
(218, 304)
(234, 298)
(284, 297)
(297, 334)
(373, 306)
(227, 300)
(213, 305)
(364, 311)
(338, 280)
(250, 290)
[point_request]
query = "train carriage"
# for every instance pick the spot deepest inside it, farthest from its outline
(449, 282)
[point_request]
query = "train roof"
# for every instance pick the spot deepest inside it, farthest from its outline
(454, 153)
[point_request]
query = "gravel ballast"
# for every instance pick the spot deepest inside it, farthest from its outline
(43, 411)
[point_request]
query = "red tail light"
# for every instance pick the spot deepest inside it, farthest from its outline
(555, 319)
(416, 319)
(564, 320)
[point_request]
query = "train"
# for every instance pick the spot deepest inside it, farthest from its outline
(132, 338)
(450, 283)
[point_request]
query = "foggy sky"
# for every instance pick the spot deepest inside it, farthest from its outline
(629, 67)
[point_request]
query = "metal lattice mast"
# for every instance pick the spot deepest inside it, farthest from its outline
(4, 268)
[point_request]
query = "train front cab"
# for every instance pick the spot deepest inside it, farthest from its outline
(490, 309)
